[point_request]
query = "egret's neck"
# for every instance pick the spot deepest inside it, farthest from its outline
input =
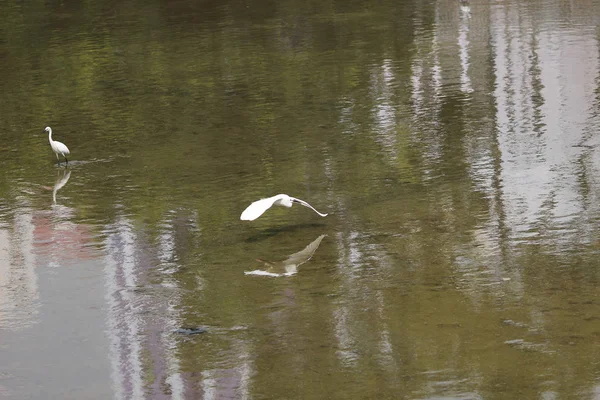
(50, 134)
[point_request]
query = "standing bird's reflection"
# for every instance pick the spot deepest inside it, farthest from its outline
(465, 8)
(290, 265)
(61, 180)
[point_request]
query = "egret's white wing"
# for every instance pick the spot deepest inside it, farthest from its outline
(257, 208)
(62, 148)
(308, 205)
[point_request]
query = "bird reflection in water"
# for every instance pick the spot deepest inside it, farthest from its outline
(61, 180)
(290, 265)
(465, 7)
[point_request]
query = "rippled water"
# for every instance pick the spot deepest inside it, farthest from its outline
(455, 148)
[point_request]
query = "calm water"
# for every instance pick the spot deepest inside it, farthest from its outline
(456, 150)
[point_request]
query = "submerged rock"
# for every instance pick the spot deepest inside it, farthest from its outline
(190, 331)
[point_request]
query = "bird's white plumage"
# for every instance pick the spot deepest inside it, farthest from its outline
(257, 208)
(57, 147)
(60, 148)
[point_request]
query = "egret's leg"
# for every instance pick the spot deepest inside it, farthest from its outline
(66, 159)
(57, 158)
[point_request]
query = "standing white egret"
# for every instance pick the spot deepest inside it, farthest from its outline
(57, 147)
(257, 208)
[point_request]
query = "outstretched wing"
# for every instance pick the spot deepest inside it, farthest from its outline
(305, 204)
(257, 208)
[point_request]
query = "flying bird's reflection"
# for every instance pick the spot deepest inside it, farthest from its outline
(290, 265)
(61, 180)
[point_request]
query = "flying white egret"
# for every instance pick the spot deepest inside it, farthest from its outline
(257, 208)
(57, 147)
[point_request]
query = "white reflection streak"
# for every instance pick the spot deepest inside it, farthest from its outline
(343, 335)
(357, 294)
(541, 122)
(19, 290)
(349, 260)
(417, 90)
(436, 69)
(384, 112)
(123, 324)
(346, 112)
(499, 45)
(166, 247)
(426, 91)
(386, 349)
(231, 383)
(596, 392)
(170, 318)
(417, 68)
(245, 375)
(24, 229)
(463, 44)
(209, 385)
(524, 171)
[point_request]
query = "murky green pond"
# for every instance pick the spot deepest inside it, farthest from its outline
(455, 148)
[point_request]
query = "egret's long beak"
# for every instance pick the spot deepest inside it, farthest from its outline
(305, 204)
